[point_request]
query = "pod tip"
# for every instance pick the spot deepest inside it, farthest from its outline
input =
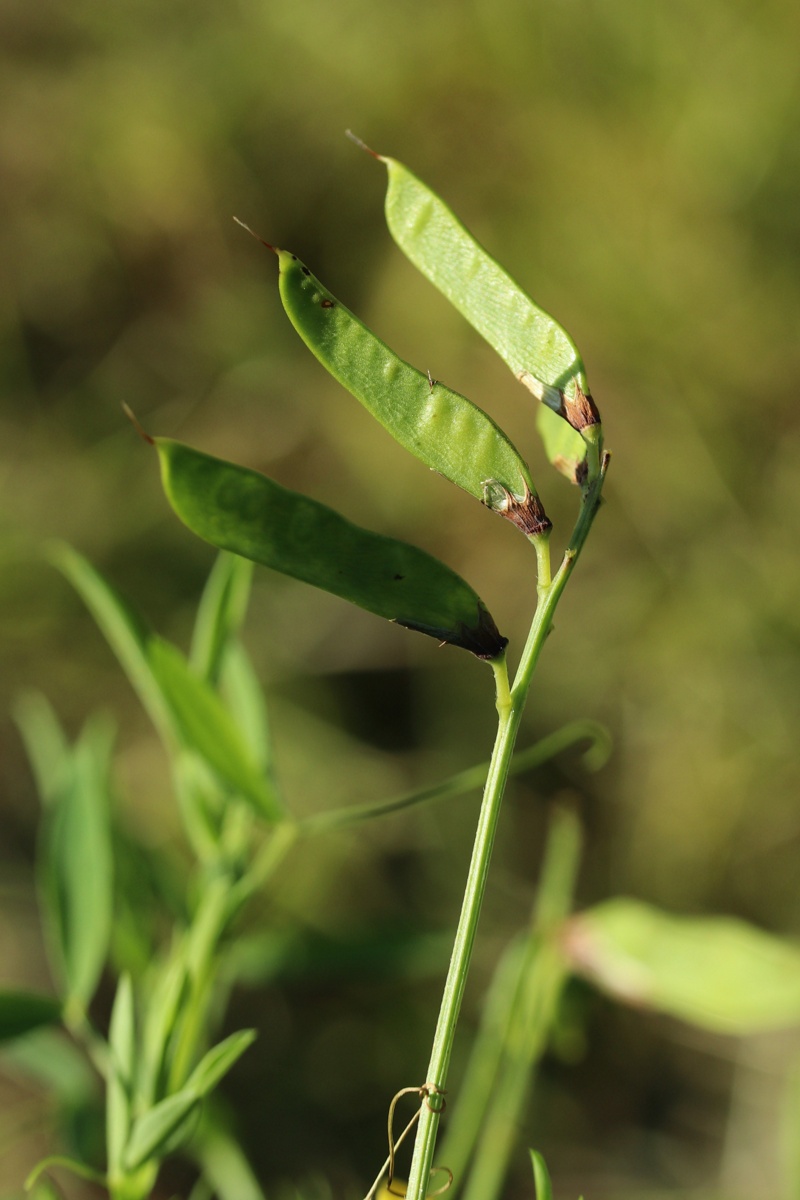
(134, 420)
(257, 236)
(362, 145)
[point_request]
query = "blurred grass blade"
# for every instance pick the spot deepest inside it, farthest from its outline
(243, 511)
(225, 1166)
(122, 1062)
(203, 723)
(594, 757)
(541, 1177)
(162, 1129)
(77, 870)
(220, 613)
(219, 1060)
(170, 989)
(244, 698)
(541, 354)
(44, 1189)
(45, 744)
(717, 973)
(21, 1012)
(789, 1130)
(124, 630)
(182, 706)
(51, 1061)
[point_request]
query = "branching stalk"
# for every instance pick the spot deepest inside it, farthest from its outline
(510, 707)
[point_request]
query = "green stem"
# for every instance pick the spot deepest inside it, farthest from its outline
(515, 1024)
(202, 941)
(465, 781)
(508, 724)
(510, 707)
(533, 1007)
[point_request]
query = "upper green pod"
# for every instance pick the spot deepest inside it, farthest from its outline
(249, 514)
(441, 427)
(541, 354)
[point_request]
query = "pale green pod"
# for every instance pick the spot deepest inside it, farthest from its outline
(538, 350)
(442, 428)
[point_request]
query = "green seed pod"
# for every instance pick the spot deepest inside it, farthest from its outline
(541, 354)
(565, 448)
(446, 431)
(249, 514)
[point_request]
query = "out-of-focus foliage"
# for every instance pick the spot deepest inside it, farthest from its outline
(637, 168)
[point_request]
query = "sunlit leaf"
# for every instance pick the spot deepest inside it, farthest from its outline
(718, 973)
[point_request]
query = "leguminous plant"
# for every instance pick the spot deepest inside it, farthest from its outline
(159, 1059)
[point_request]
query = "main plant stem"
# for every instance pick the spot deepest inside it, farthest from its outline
(510, 707)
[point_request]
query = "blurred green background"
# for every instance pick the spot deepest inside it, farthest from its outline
(636, 167)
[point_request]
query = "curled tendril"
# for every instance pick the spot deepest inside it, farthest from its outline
(426, 1094)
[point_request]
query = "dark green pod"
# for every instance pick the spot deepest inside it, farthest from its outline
(446, 431)
(541, 354)
(249, 514)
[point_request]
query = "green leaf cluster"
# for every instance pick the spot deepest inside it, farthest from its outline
(155, 1061)
(210, 714)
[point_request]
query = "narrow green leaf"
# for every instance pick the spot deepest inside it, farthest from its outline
(202, 804)
(122, 1061)
(541, 1177)
(220, 613)
(181, 705)
(219, 1060)
(203, 723)
(225, 1166)
(243, 511)
(20, 1012)
(78, 869)
(124, 630)
(162, 1129)
(244, 698)
(170, 990)
(717, 973)
(440, 427)
(46, 746)
(541, 354)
